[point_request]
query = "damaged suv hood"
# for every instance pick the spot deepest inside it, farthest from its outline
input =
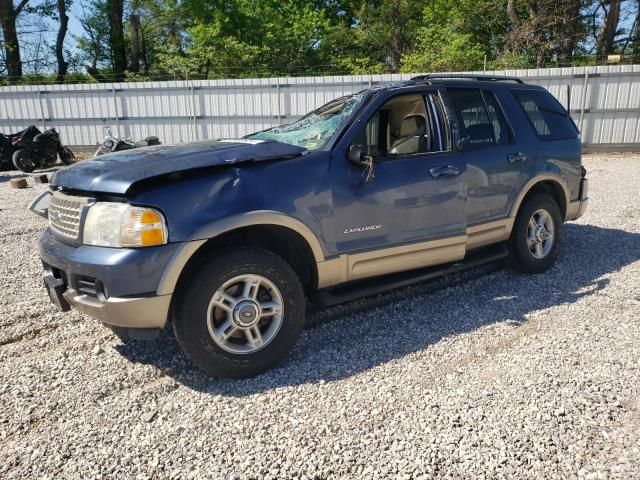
(117, 172)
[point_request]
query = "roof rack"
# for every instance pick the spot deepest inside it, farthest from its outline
(453, 76)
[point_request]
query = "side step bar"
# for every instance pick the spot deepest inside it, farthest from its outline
(364, 288)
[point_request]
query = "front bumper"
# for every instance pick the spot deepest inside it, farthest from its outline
(135, 312)
(116, 286)
(577, 208)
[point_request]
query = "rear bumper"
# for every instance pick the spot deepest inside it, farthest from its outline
(577, 208)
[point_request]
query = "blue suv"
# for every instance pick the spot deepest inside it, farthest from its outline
(226, 240)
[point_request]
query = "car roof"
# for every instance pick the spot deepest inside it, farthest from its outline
(492, 81)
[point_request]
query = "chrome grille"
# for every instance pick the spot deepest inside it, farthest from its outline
(65, 212)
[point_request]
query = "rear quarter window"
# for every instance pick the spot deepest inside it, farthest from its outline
(548, 118)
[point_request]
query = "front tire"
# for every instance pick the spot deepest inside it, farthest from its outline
(535, 240)
(22, 161)
(240, 313)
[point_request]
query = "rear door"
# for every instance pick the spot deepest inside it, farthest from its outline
(494, 163)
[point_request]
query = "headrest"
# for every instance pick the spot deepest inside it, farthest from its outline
(480, 133)
(411, 124)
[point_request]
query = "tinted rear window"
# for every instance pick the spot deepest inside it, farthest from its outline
(548, 117)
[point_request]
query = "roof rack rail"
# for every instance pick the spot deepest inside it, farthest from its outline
(454, 76)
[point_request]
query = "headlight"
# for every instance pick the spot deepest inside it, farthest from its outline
(112, 224)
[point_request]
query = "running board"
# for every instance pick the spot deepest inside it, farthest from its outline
(364, 288)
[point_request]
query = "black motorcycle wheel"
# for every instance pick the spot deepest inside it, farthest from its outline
(23, 161)
(67, 156)
(52, 160)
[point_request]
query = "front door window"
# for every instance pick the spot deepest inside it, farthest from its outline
(404, 125)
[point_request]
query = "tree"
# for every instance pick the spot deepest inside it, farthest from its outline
(635, 35)
(568, 30)
(63, 65)
(115, 12)
(545, 30)
(135, 42)
(8, 16)
(93, 45)
(606, 37)
(447, 40)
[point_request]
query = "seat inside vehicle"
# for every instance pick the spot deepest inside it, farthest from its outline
(400, 127)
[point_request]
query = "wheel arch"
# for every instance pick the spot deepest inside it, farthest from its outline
(552, 185)
(274, 231)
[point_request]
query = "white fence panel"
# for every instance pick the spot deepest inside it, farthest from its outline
(605, 103)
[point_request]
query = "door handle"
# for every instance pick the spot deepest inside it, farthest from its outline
(448, 171)
(516, 157)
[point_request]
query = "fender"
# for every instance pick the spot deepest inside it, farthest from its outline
(182, 255)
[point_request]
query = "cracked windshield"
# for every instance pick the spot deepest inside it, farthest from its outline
(314, 130)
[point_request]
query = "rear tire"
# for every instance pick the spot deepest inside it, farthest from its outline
(240, 313)
(66, 156)
(535, 240)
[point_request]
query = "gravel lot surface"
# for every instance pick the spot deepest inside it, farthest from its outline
(487, 374)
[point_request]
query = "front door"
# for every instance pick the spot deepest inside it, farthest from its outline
(412, 203)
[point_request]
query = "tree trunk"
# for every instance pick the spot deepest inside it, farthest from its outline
(604, 45)
(115, 9)
(95, 73)
(8, 17)
(62, 32)
(145, 54)
(512, 13)
(635, 45)
(397, 36)
(134, 35)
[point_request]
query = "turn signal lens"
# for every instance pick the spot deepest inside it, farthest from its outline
(142, 227)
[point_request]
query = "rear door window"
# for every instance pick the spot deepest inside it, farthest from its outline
(479, 113)
(548, 118)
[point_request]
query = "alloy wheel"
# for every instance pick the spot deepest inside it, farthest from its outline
(540, 233)
(245, 314)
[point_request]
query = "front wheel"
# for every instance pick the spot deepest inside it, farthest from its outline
(23, 161)
(535, 240)
(240, 313)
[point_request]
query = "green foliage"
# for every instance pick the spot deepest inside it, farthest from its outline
(246, 38)
(250, 38)
(441, 48)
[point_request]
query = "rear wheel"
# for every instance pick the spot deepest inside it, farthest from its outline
(23, 161)
(240, 314)
(535, 240)
(66, 156)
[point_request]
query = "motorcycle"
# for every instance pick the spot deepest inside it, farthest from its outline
(112, 143)
(31, 149)
(7, 150)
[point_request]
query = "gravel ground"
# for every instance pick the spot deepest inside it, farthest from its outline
(486, 374)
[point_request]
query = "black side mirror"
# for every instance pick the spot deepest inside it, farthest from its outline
(462, 142)
(357, 156)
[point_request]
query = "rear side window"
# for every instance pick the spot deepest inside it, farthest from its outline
(479, 112)
(547, 116)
